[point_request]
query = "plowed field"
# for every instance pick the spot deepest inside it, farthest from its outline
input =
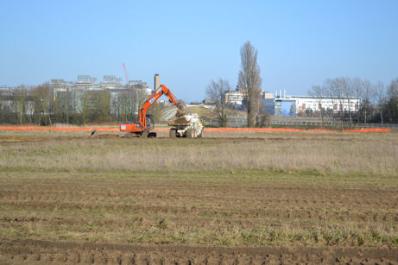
(45, 252)
(69, 200)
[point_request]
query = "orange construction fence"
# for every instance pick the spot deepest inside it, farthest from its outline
(115, 129)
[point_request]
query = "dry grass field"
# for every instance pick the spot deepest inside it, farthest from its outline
(286, 198)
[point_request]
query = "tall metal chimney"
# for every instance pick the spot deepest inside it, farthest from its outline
(156, 82)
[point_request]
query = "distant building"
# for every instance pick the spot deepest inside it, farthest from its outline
(332, 104)
(7, 100)
(58, 85)
(293, 105)
(122, 97)
(139, 85)
(283, 105)
(239, 97)
(14, 100)
(235, 97)
(85, 79)
(74, 97)
(111, 82)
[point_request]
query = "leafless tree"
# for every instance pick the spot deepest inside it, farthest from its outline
(43, 100)
(122, 105)
(393, 89)
(380, 97)
(216, 93)
(345, 89)
(320, 93)
(366, 91)
(342, 89)
(250, 81)
(391, 105)
(20, 99)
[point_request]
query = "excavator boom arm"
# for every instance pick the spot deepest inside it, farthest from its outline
(162, 90)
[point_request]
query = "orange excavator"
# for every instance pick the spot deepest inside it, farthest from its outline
(143, 127)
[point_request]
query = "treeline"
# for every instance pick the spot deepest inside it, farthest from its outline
(378, 103)
(45, 105)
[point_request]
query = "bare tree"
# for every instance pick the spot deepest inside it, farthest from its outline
(320, 93)
(20, 99)
(250, 81)
(43, 100)
(391, 105)
(216, 93)
(393, 89)
(380, 98)
(366, 91)
(342, 90)
(101, 111)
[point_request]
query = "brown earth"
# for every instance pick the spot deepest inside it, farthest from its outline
(46, 252)
(63, 215)
(47, 216)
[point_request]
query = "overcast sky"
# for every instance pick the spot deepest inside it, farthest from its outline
(300, 43)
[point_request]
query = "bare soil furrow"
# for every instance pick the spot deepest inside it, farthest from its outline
(39, 252)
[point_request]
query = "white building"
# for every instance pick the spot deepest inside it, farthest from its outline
(332, 104)
(235, 97)
(238, 97)
(292, 105)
